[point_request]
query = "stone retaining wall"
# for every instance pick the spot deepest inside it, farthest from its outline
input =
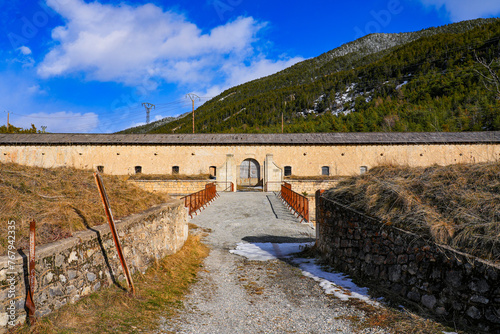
(74, 267)
(456, 287)
(176, 188)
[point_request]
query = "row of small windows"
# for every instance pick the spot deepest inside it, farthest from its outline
(138, 169)
(175, 170)
(325, 170)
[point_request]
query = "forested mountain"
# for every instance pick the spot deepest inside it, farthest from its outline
(429, 80)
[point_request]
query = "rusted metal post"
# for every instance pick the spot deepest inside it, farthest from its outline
(114, 233)
(30, 305)
(306, 211)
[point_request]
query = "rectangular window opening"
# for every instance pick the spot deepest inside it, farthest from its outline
(213, 172)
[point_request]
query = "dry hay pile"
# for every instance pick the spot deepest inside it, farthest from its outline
(62, 201)
(457, 205)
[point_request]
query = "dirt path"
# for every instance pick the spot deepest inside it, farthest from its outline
(236, 295)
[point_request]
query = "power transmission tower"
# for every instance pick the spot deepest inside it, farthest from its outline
(43, 128)
(148, 107)
(193, 97)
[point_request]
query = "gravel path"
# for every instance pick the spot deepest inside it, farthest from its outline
(236, 295)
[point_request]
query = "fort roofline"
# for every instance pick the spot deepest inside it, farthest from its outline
(335, 138)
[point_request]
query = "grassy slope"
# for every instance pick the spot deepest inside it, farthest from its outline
(458, 205)
(61, 200)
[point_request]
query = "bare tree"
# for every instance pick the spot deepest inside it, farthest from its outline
(491, 80)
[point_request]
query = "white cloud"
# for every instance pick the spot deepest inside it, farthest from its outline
(62, 121)
(134, 44)
(236, 74)
(29, 102)
(25, 50)
(460, 10)
(24, 57)
(36, 90)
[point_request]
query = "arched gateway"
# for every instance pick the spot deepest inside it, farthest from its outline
(249, 173)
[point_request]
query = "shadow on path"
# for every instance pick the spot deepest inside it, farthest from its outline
(280, 211)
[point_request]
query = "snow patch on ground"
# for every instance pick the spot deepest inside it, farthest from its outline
(398, 87)
(267, 251)
(337, 284)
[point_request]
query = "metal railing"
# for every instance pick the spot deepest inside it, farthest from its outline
(200, 199)
(297, 203)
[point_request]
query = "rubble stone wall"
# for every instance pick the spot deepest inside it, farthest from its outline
(452, 285)
(74, 267)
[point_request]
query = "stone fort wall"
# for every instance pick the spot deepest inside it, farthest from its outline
(303, 160)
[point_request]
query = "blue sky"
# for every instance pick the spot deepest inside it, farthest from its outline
(86, 66)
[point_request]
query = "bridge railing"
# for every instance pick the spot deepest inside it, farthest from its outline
(296, 202)
(200, 199)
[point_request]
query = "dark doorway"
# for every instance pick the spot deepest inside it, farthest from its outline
(213, 172)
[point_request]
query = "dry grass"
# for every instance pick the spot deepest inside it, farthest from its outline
(397, 321)
(62, 201)
(159, 293)
(458, 205)
(141, 176)
(253, 288)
